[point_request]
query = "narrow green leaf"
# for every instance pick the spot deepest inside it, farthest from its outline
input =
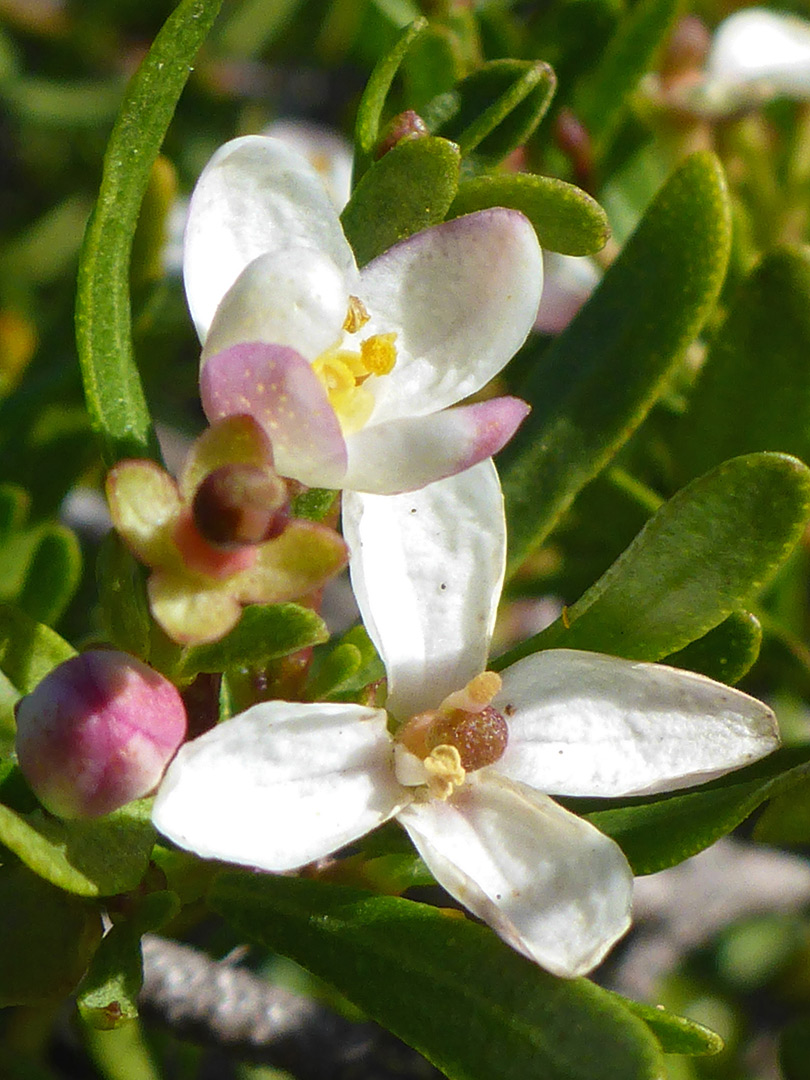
(703, 555)
(99, 857)
(727, 652)
(445, 985)
(370, 670)
(333, 671)
(786, 818)
(115, 399)
(372, 103)
(28, 650)
(52, 576)
(595, 385)
(754, 390)
(263, 633)
(565, 218)
(122, 594)
(46, 938)
(676, 1034)
(14, 503)
(408, 189)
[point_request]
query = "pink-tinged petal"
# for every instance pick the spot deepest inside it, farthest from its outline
(568, 282)
(427, 569)
(293, 565)
(235, 440)
(281, 784)
(144, 505)
(403, 455)
(547, 882)
(254, 197)
(462, 297)
(296, 297)
(277, 387)
(586, 724)
(191, 611)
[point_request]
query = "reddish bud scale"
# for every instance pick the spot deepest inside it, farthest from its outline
(408, 124)
(480, 738)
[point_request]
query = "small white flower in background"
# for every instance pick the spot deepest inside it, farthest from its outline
(327, 151)
(475, 753)
(352, 372)
(568, 281)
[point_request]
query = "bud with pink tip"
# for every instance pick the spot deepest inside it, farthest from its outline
(97, 732)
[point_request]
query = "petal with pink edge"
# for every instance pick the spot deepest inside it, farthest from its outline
(586, 724)
(462, 298)
(549, 883)
(281, 784)
(427, 569)
(403, 455)
(278, 388)
(254, 197)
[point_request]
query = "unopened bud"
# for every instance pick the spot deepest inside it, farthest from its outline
(407, 125)
(241, 504)
(97, 732)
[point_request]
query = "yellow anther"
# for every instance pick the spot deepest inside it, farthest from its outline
(335, 374)
(476, 695)
(378, 353)
(445, 771)
(356, 317)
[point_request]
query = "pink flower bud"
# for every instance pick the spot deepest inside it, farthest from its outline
(97, 732)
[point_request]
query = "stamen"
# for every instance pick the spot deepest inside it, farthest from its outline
(476, 695)
(378, 353)
(357, 316)
(445, 771)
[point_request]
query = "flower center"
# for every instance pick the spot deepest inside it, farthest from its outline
(343, 372)
(241, 504)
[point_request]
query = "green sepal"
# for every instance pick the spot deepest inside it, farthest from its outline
(704, 554)
(265, 632)
(107, 995)
(28, 650)
(445, 985)
(592, 388)
(725, 653)
(46, 938)
(408, 189)
(565, 218)
(122, 594)
(497, 107)
(676, 1034)
(369, 120)
(98, 857)
(115, 398)
(661, 831)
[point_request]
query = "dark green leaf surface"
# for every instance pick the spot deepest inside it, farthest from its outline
(565, 218)
(122, 593)
(676, 1034)
(52, 576)
(263, 633)
(445, 985)
(786, 818)
(115, 399)
(28, 650)
(595, 385)
(408, 189)
(703, 555)
(727, 652)
(99, 857)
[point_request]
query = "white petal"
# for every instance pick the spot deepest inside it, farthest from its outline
(427, 569)
(757, 46)
(327, 151)
(296, 298)
(255, 196)
(568, 282)
(548, 882)
(281, 784)
(462, 296)
(585, 724)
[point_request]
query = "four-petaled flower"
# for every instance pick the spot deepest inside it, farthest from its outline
(351, 372)
(474, 753)
(221, 537)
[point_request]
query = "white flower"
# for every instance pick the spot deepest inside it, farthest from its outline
(352, 372)
(569, 281)
(285, 783)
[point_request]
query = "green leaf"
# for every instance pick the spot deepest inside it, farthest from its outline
(28, 650)
(661, 831)
(372, 104)
(676, 1034)
(264, 633)
(498, 107)
(371, 668)
(115, 398)
(603, 97)
(14, 503)
(52, 575)
(408, 189)
(565, 218)
(701, 556)
(122, 594)
(313, 504)
(46, 938)
(445, 985)
(786, 818)
(753, 392)
(600, 378)
(107, 996)
(99, 857)
(334, 671)
(727, 652)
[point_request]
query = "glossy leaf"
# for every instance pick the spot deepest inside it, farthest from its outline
(113, 390)
(676, 1034)
(597, 382)
(703, 555)
(445, 985)
(28, 650)
(263, 633)
(97, 857)
(565, 218)
(408, 189)
(725, 653)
